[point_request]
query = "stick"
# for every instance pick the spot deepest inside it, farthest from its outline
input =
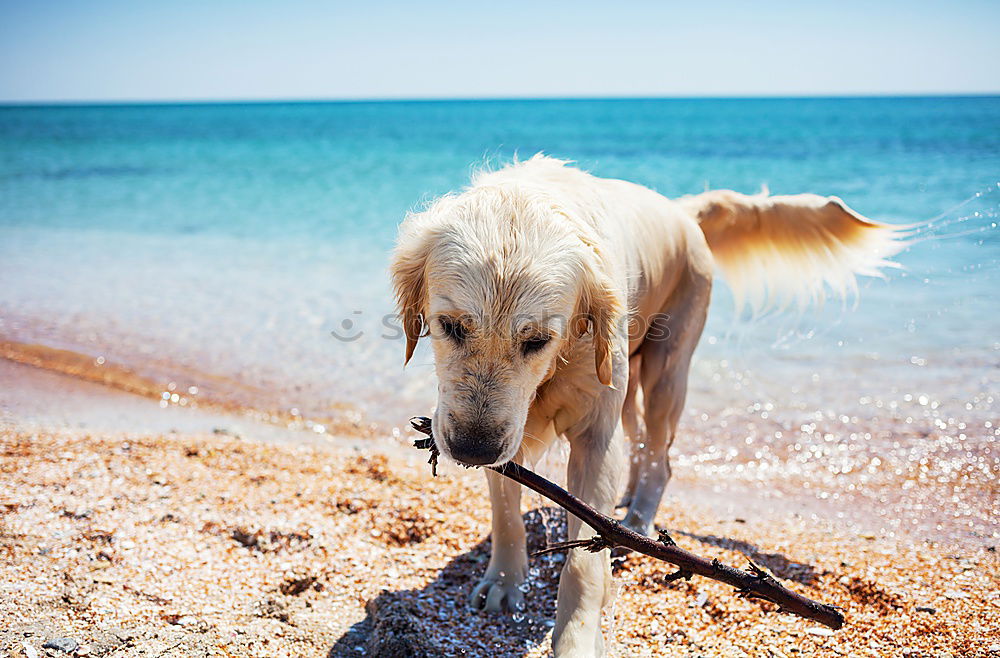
(754, 583)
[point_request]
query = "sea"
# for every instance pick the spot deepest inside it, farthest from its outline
(239, 251)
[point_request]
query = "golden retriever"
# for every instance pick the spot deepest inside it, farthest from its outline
(553, 297)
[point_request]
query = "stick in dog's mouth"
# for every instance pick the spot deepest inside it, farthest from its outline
(754, 583)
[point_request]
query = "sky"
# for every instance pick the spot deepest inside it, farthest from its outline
(181, 50)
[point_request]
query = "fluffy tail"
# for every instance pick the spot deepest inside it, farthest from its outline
(781, 251)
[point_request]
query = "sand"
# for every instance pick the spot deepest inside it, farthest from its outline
(211, 545)
(130, 527)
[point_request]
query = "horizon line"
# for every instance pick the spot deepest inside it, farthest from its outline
(485, 99)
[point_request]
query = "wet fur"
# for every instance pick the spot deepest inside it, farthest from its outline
(630, 274)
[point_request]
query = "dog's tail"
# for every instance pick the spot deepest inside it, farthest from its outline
(781, 251)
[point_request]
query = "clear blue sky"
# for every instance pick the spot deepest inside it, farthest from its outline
(297, 49)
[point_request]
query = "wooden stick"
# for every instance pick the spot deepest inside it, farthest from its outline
(754, 583)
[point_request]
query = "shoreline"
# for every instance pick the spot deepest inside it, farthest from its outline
(895, 466)
(220, 397)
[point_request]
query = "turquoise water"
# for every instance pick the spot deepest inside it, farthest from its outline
(233, 239)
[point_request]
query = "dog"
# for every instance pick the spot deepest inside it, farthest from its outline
(554, 298)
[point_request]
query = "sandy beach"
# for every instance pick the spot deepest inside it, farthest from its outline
(203, 403)
(218, 534)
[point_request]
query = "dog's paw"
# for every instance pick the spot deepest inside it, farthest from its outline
(576, 643)
(499, 591)
(640, 518)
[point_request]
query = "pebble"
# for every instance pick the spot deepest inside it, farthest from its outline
(211, 575)
(66, 644)
(821, 632)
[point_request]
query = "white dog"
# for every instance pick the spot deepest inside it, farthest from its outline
(553, 296)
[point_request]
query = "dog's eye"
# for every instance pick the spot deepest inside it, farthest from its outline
(452, 328)
(534, 344)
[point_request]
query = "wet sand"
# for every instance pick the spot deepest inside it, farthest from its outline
(171, 385)
(229, 536)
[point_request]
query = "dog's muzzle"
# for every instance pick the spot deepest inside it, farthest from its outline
(476, 446)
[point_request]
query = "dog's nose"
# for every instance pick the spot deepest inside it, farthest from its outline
(477, 444)
(474, 451)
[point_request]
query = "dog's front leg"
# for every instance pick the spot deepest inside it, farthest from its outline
(596, 462)
(508, 567)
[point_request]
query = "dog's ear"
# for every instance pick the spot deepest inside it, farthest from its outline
(409, 283)
(601, 308)
(604, 311)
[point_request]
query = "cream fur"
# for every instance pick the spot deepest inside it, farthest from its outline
(618, 278)
(782, 251)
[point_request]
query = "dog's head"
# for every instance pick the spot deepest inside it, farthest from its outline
(503, 283)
